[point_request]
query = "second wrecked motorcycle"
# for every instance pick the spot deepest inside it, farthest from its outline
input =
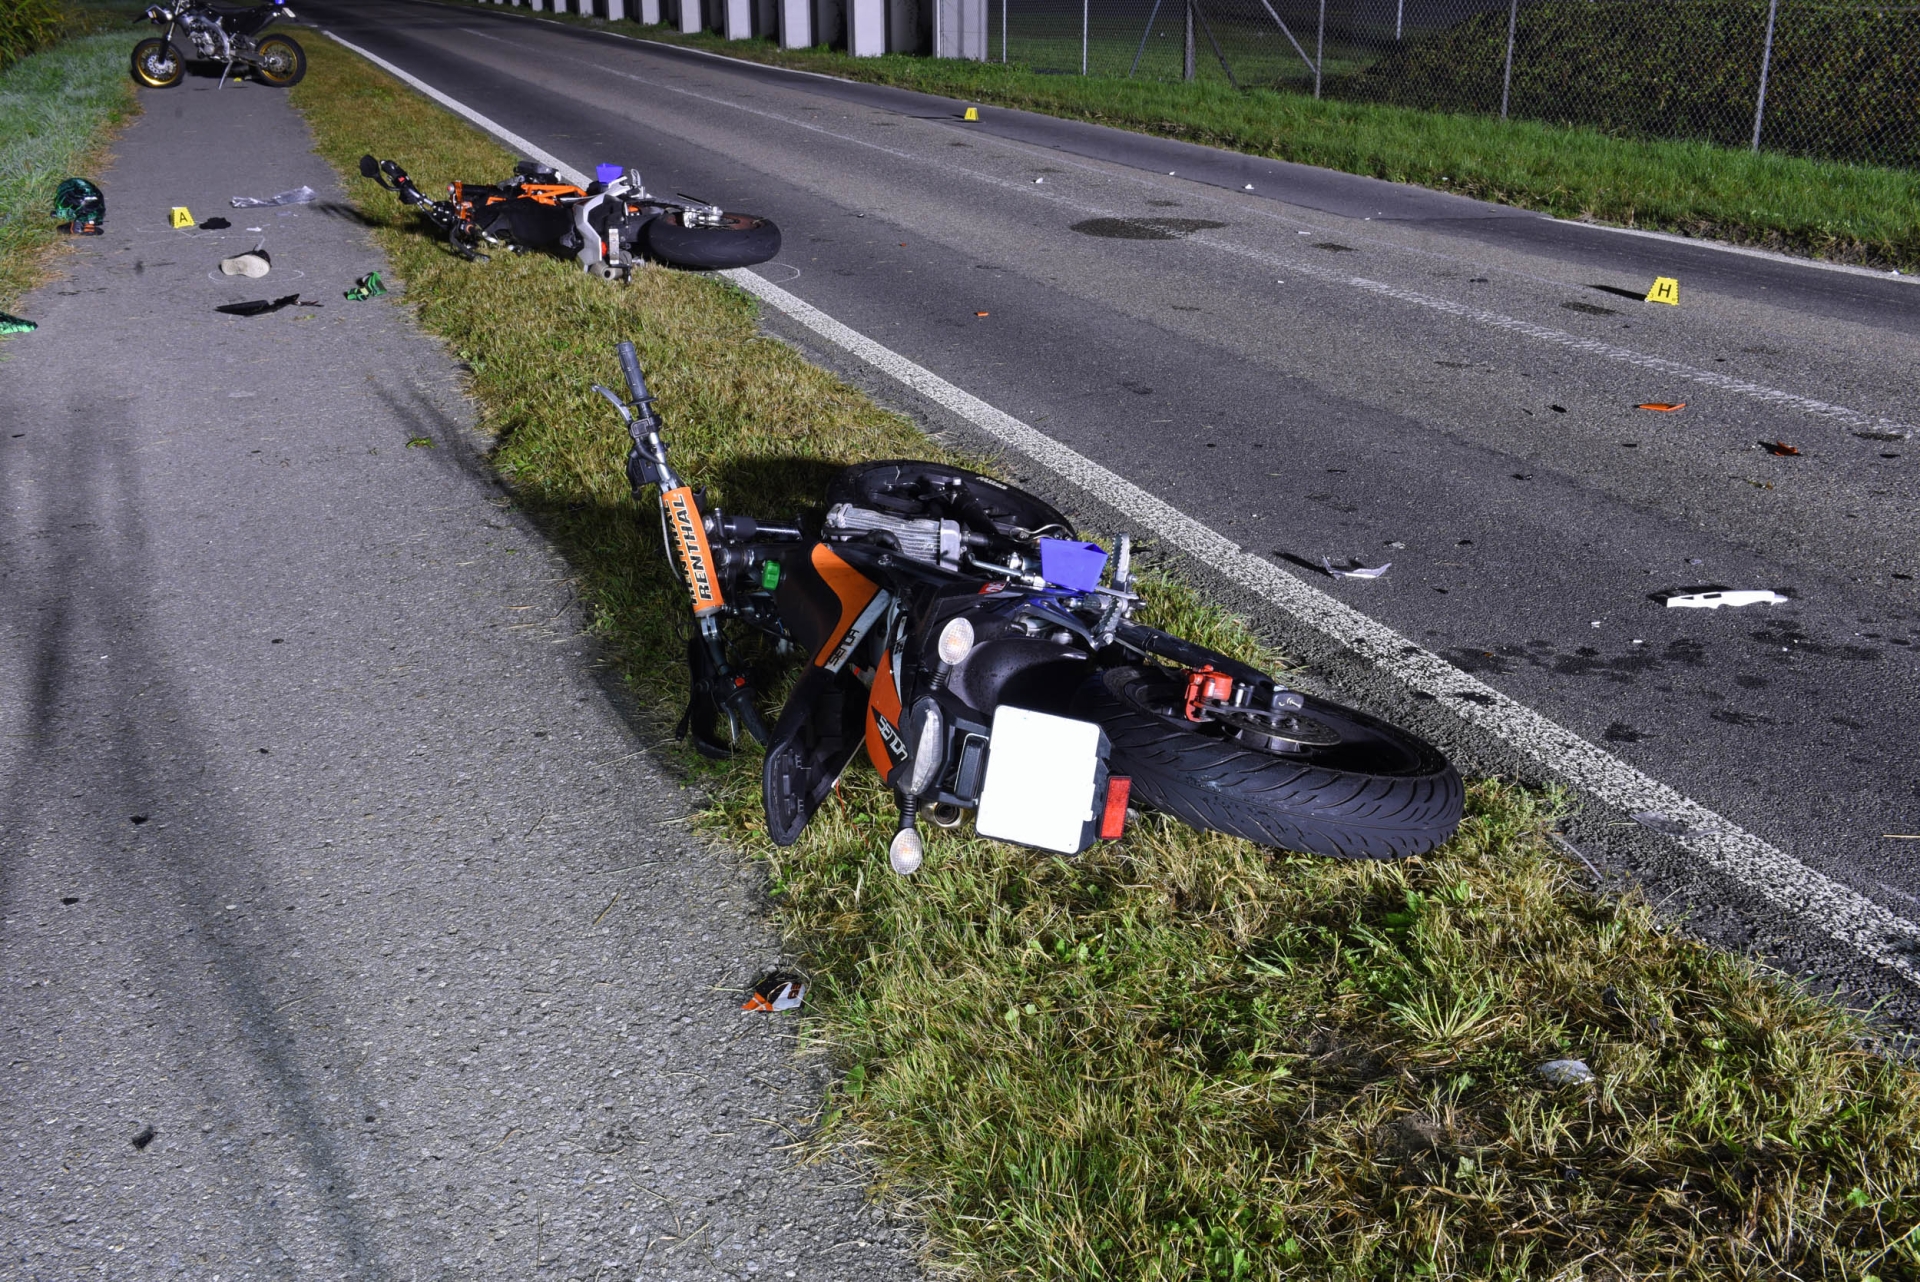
(604, 225)
(958, 630)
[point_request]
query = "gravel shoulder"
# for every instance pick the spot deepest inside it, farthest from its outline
(349, 927)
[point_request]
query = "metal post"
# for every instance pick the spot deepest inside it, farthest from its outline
(1399, 18)
(1218, 53)
(1143, 38)
(1506, 77)
(1085, 7)
(1319, 48)
(1003, 32)
(1766, 62)
(1186, 67)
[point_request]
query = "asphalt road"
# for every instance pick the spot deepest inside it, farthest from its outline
(1331, 366)
(349, 928)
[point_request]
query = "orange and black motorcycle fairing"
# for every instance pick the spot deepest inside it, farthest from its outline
(604, 224)
(958, 630)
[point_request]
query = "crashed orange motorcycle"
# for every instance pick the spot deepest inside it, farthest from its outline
(987, 660)
(606, 225)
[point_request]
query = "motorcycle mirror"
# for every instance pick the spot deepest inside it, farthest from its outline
(369, 168)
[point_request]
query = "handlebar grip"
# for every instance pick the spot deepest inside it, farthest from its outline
(630, 366)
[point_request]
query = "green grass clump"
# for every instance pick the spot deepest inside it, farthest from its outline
(1179, 1056)
(27, 27)
(54, 110)
(1854, 213)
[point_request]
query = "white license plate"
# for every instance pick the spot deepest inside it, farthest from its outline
(1042, 774)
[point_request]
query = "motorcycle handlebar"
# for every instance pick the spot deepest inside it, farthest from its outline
(630, 366)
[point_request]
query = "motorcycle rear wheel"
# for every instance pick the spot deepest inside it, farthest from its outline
(282, 62)
(157, 64)
(1375, 792)
(741, 240)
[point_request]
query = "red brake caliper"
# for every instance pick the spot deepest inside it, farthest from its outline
(1207, 686)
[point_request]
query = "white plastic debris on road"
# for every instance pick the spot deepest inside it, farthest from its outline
(301, 195)
(1714, 600)
(1358, 572)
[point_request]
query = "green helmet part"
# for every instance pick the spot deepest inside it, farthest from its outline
(79, 203)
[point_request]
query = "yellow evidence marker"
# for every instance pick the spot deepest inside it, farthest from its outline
(973, 113)
(181, 217)
(1665, 290)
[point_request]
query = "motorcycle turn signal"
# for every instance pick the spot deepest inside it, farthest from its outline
(905, 851)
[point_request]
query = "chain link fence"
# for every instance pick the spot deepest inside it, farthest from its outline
(1830, 81)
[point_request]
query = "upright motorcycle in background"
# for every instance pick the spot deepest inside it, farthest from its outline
(196, 30)
(958, 630)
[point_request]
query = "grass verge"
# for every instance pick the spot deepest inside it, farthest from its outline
(1847, 213)
(1179, 1056)
(55, 110)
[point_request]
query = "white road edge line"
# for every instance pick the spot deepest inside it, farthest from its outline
(1746, 251)
(1836, 910)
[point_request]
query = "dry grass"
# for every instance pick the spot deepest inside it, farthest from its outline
(1179, 1056)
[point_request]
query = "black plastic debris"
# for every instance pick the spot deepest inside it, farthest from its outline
(215, 224)
(1564, 1072)
(258, 306)
(146, 1136)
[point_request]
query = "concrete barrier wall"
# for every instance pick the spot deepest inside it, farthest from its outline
(864, 28)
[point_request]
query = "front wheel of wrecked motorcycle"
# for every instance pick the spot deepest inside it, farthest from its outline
(157, 64)
(282, 62)
(732, 240)
(1322, 779)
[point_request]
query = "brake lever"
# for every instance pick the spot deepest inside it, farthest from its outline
(620, 406)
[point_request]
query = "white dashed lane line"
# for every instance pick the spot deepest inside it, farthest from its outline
(1824, 904)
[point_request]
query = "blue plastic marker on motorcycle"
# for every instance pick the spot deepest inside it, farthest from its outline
(1071, 564)
(607, 173)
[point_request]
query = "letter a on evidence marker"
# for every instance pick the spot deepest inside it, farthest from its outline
(1665, 290)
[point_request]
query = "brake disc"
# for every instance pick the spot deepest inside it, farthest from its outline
(1274, 731)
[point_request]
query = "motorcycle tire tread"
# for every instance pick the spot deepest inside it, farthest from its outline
(1219, 785)
(753, 241)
